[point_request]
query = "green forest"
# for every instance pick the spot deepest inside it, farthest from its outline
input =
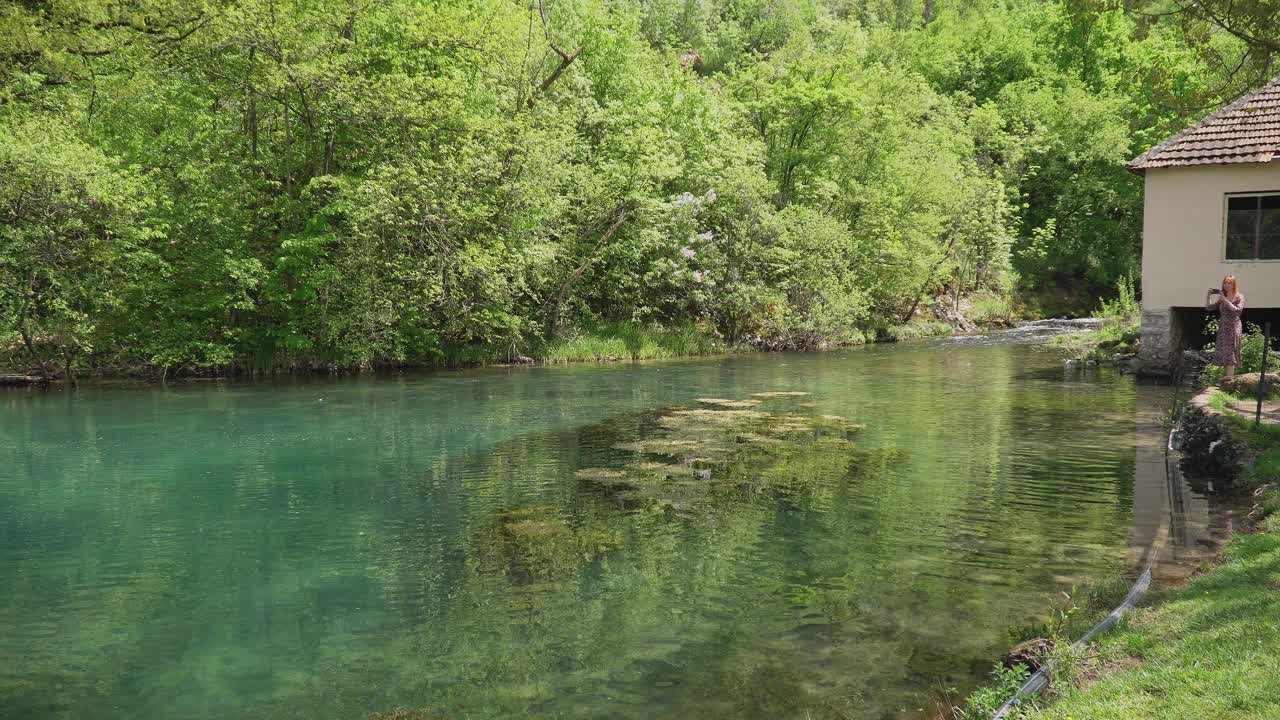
(260, 185)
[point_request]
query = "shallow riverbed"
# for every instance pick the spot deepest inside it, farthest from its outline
(582, 541)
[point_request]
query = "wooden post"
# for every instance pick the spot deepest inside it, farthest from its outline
(1262, 375)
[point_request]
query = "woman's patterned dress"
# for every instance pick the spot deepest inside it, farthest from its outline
(1227, 347)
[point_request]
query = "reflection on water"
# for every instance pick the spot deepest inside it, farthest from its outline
(1178, 517)
(550, 542)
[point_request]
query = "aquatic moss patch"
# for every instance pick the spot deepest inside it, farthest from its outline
(533, 544)
(659, 446)
(699, 453)
(721, 402)
(689, 418)
(603, 476)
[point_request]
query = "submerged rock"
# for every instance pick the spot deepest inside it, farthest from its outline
(1247, 384)
(1030, 653)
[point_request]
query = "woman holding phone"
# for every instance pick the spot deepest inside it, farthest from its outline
(1229, 303)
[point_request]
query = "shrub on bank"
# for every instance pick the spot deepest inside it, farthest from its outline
(992, 309)
(630, 341)
(1250, 355)
(1120, 332)
(913, 331)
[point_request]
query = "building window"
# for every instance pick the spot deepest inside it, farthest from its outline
(1253, 227)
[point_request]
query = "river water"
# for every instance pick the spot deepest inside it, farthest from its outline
(568, 542)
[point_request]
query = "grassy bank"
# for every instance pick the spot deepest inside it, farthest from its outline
(598, 342)
(1103, 344)
(614, 341)
(1210, 649)
(629, 341)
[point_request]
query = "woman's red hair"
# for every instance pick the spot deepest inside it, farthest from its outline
(1235, 287)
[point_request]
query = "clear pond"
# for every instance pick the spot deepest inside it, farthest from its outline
(576, 542)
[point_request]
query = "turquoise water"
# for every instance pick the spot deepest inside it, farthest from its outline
(334, 548)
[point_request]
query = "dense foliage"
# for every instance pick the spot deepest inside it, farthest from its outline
(294, 183)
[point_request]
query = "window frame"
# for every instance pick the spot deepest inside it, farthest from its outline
(1257, 229)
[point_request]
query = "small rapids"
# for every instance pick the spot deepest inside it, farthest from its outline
(1029, 332)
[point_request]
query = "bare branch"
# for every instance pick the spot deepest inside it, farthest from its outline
(566, 58)
(1229, 22)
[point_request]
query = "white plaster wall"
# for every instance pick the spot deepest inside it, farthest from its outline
(1183, 240)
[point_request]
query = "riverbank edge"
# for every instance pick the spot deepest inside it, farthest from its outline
(1115, 343)
(582, 349)
(1209, 648)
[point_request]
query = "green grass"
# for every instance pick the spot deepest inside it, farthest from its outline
(1221, 400)
(629, 341)
(1264, 444)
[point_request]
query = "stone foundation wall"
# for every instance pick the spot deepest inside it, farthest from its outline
(1161, 350)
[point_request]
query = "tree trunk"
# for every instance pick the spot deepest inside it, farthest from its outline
(288, 153)
(68, 372)
(929, 280)
(555, 305)
(253, 109)
(25, 334)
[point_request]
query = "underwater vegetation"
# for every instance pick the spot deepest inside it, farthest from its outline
(711, 477)
(693, 462)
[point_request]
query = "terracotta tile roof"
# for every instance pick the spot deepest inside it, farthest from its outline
(1246, 131)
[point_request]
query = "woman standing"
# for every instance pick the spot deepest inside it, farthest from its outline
(1230, 304)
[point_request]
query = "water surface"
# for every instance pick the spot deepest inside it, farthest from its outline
(332, 548)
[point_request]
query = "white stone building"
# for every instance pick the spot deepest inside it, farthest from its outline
(1212, 209)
